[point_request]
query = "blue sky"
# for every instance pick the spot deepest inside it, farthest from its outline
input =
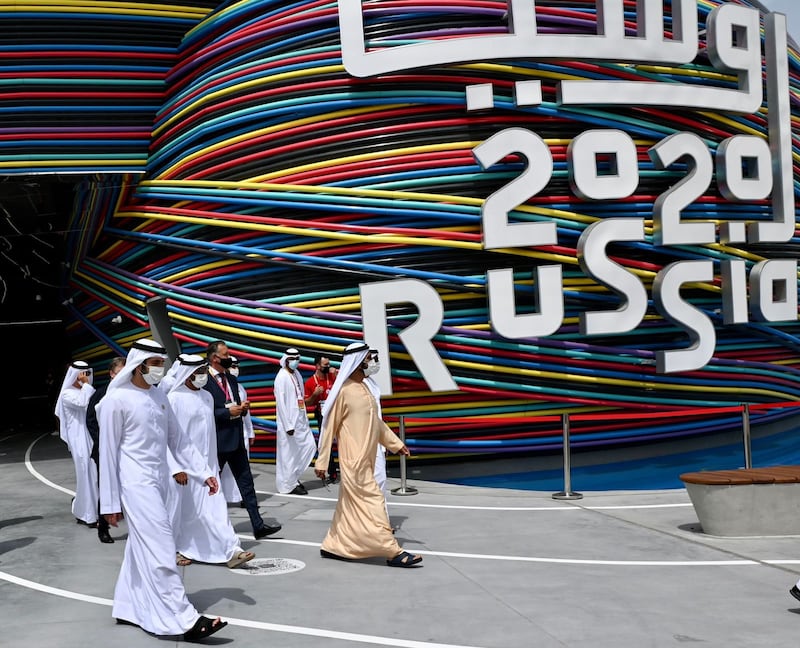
(792, 10)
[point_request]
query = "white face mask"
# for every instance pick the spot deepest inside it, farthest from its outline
(153, 375)
(373, 367)
(234, 371)
(293, 364)
(200, 380)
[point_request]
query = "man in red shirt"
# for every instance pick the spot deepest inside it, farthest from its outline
(316, 391)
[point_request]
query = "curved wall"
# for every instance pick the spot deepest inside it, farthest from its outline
(277, 183)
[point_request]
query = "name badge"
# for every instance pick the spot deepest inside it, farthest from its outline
(301, 404)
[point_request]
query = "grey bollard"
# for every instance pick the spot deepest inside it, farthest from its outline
(567, 493)
(748, 451)
(404, 489)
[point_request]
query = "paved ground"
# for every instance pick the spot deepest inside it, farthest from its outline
(502, 569)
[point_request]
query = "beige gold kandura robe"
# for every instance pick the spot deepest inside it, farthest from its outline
(360, 527)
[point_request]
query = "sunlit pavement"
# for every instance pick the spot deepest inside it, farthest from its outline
(502, 568)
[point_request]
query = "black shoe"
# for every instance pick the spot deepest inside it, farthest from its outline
(105, 538)
(93, 525)
(298, 490)
(795, 592)
(265, 531)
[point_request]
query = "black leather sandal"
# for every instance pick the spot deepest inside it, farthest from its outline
(404, 559)
(204, 627)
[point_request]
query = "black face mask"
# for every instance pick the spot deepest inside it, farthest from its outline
(324, 370)
(226, 363)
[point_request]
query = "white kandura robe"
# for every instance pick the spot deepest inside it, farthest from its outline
(227, 482)
(202, 529)
(75, 434)
(293, 453)
(136, 427)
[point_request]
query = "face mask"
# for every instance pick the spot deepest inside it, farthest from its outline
(199, 381)
(324, 370)
(293, 364)
(373, 367)
(91, 378)
(226, 363)
(234, 371)
(153, 375)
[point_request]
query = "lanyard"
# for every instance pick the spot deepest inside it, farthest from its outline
(296, 384)
(223, 383)
(298, 389)
(327, 383)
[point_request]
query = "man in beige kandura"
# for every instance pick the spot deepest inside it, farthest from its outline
(360, 527)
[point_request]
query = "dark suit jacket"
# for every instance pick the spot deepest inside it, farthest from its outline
(91, 421)
(229, 431)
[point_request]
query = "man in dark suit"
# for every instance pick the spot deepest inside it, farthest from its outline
(94, 432)
(228, 410)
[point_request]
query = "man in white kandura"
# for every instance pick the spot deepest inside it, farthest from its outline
(168, 380)
(294, 441)
(360, 526)
(227, 484)
(136, 427)
(76, 390)
(203, 531)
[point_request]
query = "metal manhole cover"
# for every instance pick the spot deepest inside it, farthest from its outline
(269, 567)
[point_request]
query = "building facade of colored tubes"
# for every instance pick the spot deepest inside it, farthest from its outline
(588, 206)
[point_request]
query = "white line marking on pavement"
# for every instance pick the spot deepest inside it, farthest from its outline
(55, 591)
(560, 561)
(246, 623)
(576, 507)
(37, 474)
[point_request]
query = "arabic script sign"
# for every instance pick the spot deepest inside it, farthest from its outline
(745, 167)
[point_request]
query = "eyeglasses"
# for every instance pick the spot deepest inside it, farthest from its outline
(373, 356)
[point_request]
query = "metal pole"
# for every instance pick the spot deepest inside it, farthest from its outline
(567, 493)
(404, 489)
(748, 453)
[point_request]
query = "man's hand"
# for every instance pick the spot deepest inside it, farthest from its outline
(404, 451)
(319, 473)
(182, 478)
(112, 518)
(236, 410)
(83, 377)
(245, 406)
(318, 390)
(213, 485)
